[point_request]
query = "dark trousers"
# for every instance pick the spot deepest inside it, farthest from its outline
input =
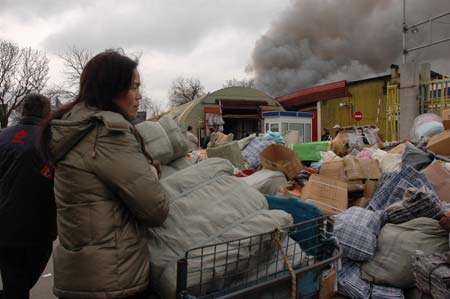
(21, 269)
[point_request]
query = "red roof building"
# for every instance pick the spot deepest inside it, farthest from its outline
(315, 94)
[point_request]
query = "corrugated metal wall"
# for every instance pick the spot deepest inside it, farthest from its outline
(367, 97)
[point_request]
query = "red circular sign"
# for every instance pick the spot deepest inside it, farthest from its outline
(358, 116)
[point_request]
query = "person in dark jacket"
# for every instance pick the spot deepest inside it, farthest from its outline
(27, 204)
(208, 138)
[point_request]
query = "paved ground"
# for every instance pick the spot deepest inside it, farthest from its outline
(43, 288)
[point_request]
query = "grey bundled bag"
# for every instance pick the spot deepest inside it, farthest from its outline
(178, 139)
(164, 140)
(397, 243)
(229, 151)
(417, 202)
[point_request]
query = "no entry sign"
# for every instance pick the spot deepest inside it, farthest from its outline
(358, 115)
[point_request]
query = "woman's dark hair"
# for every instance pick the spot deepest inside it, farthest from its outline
(105, 78)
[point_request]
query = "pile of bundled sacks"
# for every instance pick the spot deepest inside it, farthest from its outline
(209, 205)
(395, 233)
(390, 205)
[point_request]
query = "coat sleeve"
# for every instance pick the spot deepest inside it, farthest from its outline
(120, 164)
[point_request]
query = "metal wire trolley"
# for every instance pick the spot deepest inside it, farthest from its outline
(284, 263)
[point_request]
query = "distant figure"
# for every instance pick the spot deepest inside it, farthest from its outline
(27, 203)
(337, 128)
(193, 140)
(208, 138)
(326, 135)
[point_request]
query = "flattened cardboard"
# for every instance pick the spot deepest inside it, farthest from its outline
(327, 194)
(440, 179)
(440, 144)
(328, 285)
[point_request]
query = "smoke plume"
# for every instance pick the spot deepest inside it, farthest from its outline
(319, 41)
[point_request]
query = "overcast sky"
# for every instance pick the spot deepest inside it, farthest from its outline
(211, 40)
(286, 44)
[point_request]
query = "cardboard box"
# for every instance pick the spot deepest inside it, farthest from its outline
(327, 194)
(440, 144)
(440, 179)
(353, 169)
(370, 188)
(333, 169)
(446, 114)
(399, 149)
(370, 168)
(446, 119)
(355, 186)
(280, 158)
(446, 124)
(329, 284)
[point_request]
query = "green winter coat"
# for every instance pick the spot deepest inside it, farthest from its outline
(106, 195)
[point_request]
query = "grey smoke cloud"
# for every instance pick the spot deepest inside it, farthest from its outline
(318, 41)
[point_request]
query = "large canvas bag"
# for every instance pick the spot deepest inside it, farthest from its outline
(207, 205)
(397, 244)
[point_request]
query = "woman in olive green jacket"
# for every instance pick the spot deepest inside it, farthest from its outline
(106, 185)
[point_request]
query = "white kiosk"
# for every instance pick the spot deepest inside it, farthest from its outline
(283, 121)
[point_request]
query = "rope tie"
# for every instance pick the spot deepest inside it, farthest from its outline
(286, 262)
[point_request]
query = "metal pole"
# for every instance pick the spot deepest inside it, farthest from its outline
(405, 30)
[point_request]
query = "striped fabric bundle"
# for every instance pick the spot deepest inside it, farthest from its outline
(357, 230)
(253, 149)
(432, 275)
(392, 186)
(351, 285)
(416, 202)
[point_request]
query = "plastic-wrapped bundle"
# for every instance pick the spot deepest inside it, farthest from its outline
(426, 126)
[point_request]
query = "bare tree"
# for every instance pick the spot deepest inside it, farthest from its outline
(184, 90)
(152, 107)
(74, 61)
(22, 70)
(58, 95)
(239, 83)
